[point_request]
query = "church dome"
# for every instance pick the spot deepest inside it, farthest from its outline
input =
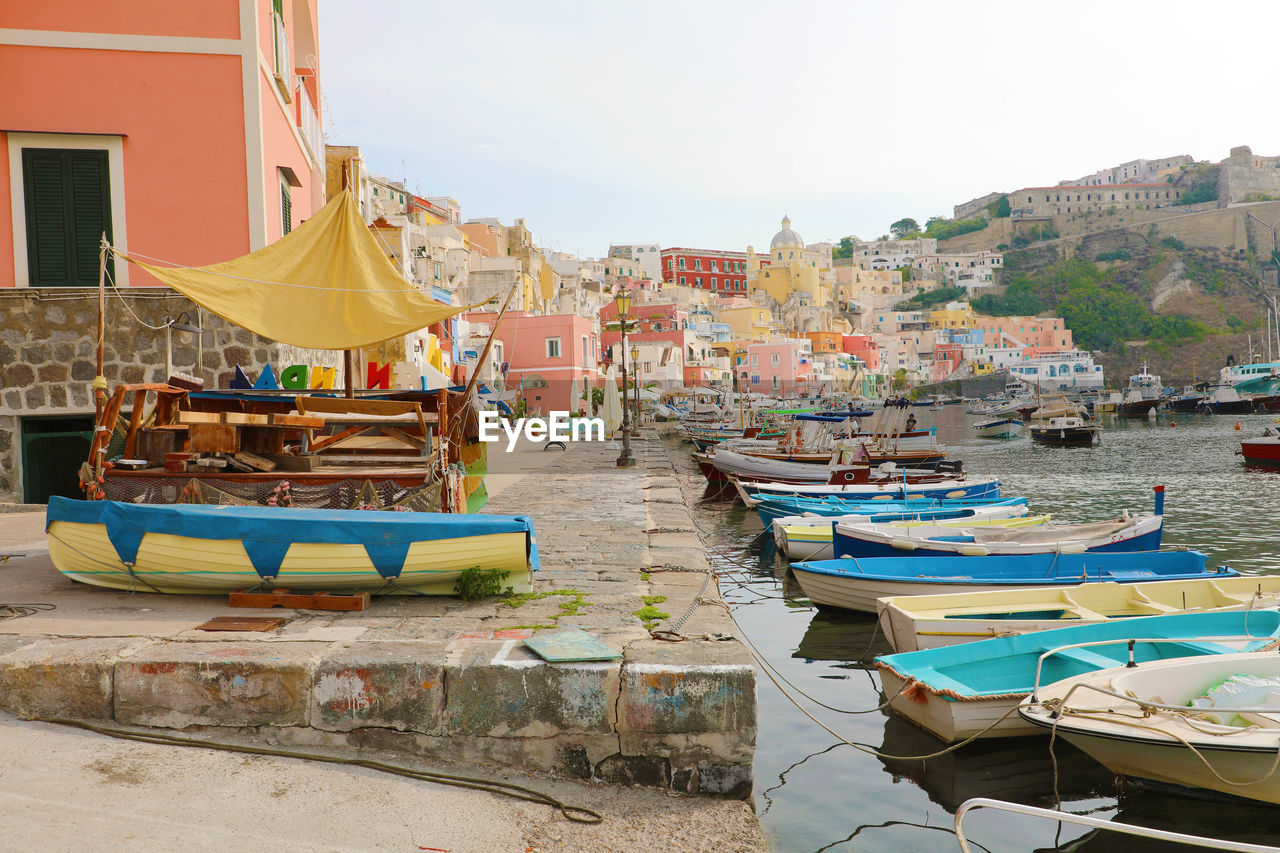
(786, 238)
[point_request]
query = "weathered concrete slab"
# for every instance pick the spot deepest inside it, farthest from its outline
(386, 685)
(500, 689)
(687, 688)
(60, 677)
(216, 684)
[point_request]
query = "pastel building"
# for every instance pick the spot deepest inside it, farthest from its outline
(781, 367)
(540, 355)
(709, 269)
(117, 115)
(1047, 332)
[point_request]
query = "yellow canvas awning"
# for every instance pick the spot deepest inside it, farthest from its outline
(326, 285)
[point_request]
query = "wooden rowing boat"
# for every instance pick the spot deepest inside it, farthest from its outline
(182, 548)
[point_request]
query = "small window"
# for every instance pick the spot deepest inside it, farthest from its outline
(774, 360)
(697, 263)
(775, 382)
(755, 359)
(553, 347)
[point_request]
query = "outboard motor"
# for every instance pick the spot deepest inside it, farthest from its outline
(949, 466)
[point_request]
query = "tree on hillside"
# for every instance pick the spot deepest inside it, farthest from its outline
(844, 249)
(1002, 207)
(934, 221)
(903, 227)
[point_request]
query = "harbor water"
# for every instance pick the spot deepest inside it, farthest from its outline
(815, 792)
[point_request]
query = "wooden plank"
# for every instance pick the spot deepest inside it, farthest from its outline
(300, 601)
(335, 438)
(368, 442)
(189, 417)
(213, 438)
(135, 419)
(253, 460)
(411, 440)
(242, 419)
(242, 623)
(291, 420)
(328, 459)
(262, 439)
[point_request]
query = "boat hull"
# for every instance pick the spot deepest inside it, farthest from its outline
(950, 719)
(1137, 408)
(1261, 451)
(183, 563)
(1066, 436)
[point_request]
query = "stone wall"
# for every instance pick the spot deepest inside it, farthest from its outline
(48, 354)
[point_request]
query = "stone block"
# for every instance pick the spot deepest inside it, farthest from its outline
(83, 370)
(498, 689)
(388, 685)
(61, 678)
(687, 688)
(219, 684)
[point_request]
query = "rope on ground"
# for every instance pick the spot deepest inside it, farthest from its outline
(15, 611)
(576, 814)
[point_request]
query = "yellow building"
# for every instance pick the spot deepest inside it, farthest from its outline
(749, 322)
(791, 268)
(957, 315)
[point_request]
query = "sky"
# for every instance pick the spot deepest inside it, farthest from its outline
(700, 124)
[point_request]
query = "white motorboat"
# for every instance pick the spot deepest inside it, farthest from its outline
(1201, 722)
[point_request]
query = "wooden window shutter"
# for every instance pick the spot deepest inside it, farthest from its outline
(286, 209)
(68, 208)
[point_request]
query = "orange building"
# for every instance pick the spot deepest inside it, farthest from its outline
(188, 132)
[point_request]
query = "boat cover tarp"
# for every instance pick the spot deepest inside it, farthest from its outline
(327, 284)
(267, 532)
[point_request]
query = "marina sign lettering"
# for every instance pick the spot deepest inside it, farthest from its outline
(558, 426)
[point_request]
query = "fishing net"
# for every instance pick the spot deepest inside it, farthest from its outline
(350, 493)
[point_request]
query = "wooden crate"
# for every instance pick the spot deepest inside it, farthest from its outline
(213, 438)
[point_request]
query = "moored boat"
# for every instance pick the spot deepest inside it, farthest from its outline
(957, 692)
(1171, 720)
(802, 538)
(1142, 396)
(856, 584)
(913, 622)
(1225, 400)
(888, 489)
(998, 428)
(1065, 432)
(1263, 450)
(771, 508)
(185, 548)
(1128, 533)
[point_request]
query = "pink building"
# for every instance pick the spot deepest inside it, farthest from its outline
(188, 132)
(543, 354)
(865, 348)
(1047, 332)
(783, 367)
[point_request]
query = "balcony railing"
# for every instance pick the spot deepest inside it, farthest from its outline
(309, 124)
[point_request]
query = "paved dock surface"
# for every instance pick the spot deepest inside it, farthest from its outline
(432, 680)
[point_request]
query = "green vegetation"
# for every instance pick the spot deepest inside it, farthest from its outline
(844, 249)
(1114, 255)
(1100, 312)
(942, 229)
(904, 228)
(475, 583)
(1174, 243)
(1203, 187)
(1002, 208)
(650, 616)
(644, 576)
(927, 298)
(905, 272)
(1207, 275)
(900, 379)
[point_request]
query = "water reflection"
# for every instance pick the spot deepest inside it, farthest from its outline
(815, 793)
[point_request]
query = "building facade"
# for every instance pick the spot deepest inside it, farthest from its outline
(708, 269)
(1040, 202)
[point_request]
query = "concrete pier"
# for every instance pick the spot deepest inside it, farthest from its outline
(434, 677)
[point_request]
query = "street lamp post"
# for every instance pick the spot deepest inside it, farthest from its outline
(635, 381)
(623, 303)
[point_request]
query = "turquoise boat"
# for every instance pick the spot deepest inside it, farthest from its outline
(773, 508)
(967, 690)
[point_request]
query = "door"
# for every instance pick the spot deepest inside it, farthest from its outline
(52, 451)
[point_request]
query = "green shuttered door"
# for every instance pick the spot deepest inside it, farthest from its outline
(68, 202)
